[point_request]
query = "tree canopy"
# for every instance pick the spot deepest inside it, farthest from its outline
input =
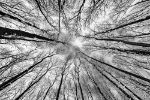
(74, 49)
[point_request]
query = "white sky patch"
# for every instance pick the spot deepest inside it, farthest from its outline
(26, 3)
(77, 42)
(128, 11)
(109, 58)
(85, 31)
(104, 16)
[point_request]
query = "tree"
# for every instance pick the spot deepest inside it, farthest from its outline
(74, 50)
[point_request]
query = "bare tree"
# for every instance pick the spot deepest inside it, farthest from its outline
(74, 49)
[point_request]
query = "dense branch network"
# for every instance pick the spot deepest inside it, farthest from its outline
(74, 50)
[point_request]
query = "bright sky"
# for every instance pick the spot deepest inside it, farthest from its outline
(76, 41)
